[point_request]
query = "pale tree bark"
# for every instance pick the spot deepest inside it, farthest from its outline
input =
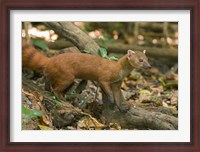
(72, 33)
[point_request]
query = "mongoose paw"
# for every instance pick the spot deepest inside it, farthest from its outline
(124, 107)
(111, 99)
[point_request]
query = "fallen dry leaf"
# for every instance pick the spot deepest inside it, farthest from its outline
(90, 124)
(44, 127)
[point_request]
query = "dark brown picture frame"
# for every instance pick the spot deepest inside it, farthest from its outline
(192, 5)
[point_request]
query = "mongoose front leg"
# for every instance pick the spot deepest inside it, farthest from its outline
(119, 98)
(105, 86)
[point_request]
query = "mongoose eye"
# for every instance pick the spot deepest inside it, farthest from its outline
(141, 60)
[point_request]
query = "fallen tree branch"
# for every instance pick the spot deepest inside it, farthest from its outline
(140, 118)
(122, 49)
(152, 52)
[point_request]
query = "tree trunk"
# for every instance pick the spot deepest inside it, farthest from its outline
(72, 33)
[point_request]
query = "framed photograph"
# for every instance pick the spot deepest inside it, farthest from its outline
(141, 63)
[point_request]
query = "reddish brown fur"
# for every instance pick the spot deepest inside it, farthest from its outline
(32, 58)
(62, 69)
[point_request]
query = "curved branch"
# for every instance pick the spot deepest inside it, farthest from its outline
(72, 33)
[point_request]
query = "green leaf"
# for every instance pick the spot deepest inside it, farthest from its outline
(171, 84)
(72, 95)
(113, 58)
(87, 51)
(37, 112)
(145, 92)
(53, 97)
(161, 79)
(109, 40)
(112, 41)
(31, 114)
(168, 84)
(58, 102)
(155, 98)
(40, 44)
(102, 52)
(26, 111)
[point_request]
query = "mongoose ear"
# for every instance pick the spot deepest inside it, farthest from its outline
(144, 51)
(130, 53)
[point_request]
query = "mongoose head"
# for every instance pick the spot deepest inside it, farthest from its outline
(138, 59)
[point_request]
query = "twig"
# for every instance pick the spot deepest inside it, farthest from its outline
(29, 94)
